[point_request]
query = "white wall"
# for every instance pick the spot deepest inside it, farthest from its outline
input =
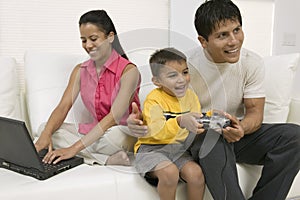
(142, 24)
(286, 27)
(287, 31)
(53, 25)
(182, 31)
(257, 24)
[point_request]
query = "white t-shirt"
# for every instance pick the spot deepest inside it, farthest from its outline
(223, 86)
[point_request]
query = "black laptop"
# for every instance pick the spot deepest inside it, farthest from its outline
(17, 152)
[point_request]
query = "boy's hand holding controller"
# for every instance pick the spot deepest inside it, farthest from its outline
(189, 122)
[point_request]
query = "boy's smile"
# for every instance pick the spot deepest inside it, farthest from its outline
(173, 78)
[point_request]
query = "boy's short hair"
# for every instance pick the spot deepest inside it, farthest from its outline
(213, 12)
(161, 56)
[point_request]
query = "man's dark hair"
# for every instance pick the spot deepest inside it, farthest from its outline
(212, 13)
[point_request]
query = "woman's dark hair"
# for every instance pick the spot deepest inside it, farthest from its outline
(159, 58)
(213, 12)
(100, 19)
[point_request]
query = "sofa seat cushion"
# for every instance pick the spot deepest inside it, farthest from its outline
(81, 182)
(107, 182)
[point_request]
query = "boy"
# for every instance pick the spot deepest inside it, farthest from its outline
(170, 111)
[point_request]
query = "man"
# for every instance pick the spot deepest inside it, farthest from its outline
(229, 78)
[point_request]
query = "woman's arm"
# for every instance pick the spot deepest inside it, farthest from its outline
(129, 83)
(59, 114)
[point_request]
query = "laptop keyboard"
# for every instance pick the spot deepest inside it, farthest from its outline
(61, 166)
(49, 167)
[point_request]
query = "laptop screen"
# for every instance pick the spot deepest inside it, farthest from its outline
(16, 145)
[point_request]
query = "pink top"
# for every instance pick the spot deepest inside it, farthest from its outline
(98, 95)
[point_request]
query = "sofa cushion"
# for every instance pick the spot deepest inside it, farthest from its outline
(141, 60)
(9, 90)
(280, 72)
(46, 76)
(82, 182)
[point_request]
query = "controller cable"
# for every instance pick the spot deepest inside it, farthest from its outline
(225, 164)
(208, 144)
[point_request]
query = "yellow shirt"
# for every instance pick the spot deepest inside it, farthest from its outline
(160, 112)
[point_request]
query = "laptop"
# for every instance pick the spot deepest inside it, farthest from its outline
(18, 153)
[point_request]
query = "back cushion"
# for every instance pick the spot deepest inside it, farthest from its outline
(280, 72)
(9, 90)
(46, 76)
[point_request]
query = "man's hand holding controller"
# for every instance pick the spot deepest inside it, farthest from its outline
(214, 120)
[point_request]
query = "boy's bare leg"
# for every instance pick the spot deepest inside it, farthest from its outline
(191, 172)
(168, 176)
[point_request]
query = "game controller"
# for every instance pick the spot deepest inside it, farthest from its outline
(214, 120)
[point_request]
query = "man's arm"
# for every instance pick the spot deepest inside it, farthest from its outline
(254, 114)
(254, 108)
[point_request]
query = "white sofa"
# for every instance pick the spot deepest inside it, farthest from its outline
(46, 75)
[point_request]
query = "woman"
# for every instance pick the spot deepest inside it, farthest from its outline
(107, 83)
